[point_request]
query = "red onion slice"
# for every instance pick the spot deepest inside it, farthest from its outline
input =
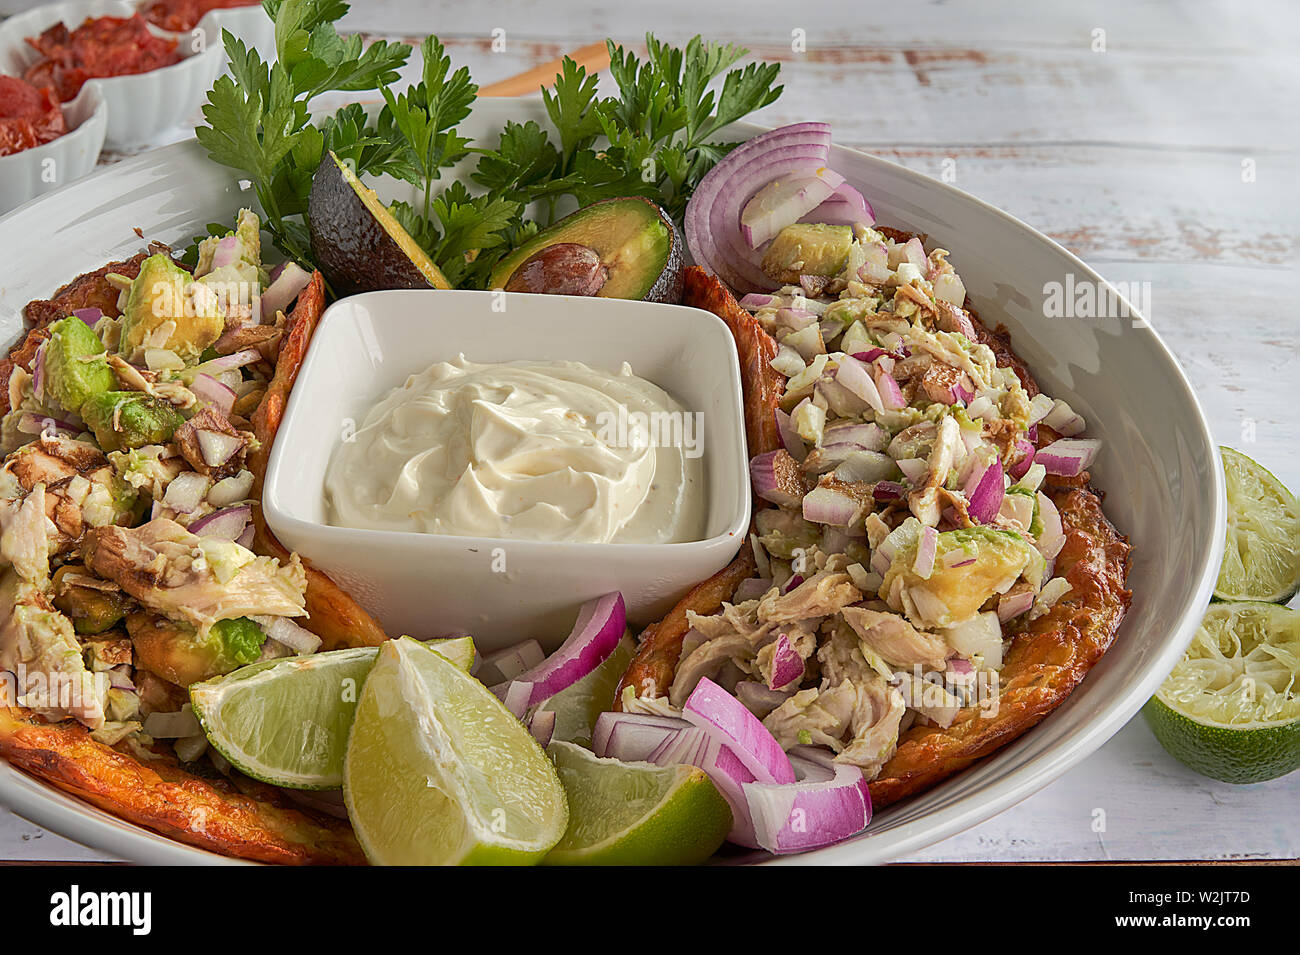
(738, 173)
(845, 206)
(599, 628)
(726, 719)
(829, 803)
(506, 664)
(542, 727)
(632, 737)
(783, 202)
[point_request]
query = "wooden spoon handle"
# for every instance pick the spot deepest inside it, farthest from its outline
(594, 57)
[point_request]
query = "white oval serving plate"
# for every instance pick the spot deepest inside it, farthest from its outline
(1159, 467)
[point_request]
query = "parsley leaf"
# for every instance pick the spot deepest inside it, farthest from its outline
(257, 117)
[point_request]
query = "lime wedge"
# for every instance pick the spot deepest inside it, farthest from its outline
(576, 707)
(286, 721)
(439, 773)
(1262, 557)
(1231, 707)
(636, 813)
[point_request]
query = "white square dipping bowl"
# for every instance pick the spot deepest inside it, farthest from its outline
(431, 584)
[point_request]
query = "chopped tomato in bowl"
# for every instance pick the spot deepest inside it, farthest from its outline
(100, 47)
(181, 16)
(28, 116)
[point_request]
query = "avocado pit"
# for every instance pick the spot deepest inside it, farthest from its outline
(566, 268)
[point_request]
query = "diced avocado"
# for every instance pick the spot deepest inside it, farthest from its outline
(807, 248)
(90, 610)
(219, 265)
(128, 419)
(173, 649)
(164, 292)
(952, 594)
(615, 248)
(76, 365)
(355, 240)
(241, 640)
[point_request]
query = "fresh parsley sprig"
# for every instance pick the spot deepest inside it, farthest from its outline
(657, 138)
(258, 116)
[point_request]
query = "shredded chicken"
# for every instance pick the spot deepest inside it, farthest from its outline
(708, 660)
(24, 537)
(820, 595)
(197, 579)
(924, 501)
(814, 716)
(875, 725)
(132, 378)
(38, 646)
(79, 486)
(896, 641)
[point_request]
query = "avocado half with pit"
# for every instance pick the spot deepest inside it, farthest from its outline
(615, 248)
(356, 242)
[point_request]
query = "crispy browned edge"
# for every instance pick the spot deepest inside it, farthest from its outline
(251, 820)
(332, 614)
(1047, 658)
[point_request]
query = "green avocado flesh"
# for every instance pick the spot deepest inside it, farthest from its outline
(638, 245)
(355, 240)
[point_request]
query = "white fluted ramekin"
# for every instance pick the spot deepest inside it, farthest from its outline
(142, 107)
(41, 169)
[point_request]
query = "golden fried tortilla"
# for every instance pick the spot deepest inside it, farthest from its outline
(237, 816)
(334, 616)
(1047, 658)
(253, 822)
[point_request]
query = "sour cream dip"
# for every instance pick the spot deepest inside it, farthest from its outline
(547, 451)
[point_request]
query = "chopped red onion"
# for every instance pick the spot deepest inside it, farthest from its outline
(217, 447)
(787, 665)
(826, 505)
(926, 548)
(293, 278)
(985, 498)
(890, 394)
(219, 395)
(854, 376)
(227, 524)
(774, 478)
(1068, 456)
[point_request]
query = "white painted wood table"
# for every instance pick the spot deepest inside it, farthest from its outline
(1155, 140)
